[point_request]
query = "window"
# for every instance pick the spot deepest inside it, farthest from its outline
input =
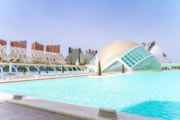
(135, 55)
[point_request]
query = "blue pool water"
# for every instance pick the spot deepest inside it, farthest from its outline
(154, 95)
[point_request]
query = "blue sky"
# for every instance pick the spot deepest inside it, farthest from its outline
(91, 24)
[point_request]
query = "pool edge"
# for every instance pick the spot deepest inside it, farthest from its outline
(70, 110)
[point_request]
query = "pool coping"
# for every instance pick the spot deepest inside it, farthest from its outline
(65, 109)
(56, 76)
(44, 77)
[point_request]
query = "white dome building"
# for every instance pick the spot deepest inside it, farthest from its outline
(127, 54)
(153, 48)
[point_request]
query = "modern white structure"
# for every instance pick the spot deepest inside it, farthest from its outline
(37, 55)
(53, 57)
(17, 53)
(49, 54)
(3, 52)
(124, 55)
(153, 48)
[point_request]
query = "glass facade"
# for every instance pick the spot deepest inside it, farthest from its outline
(150, 64)
(135, 55)
(115, 67)
(140, 59)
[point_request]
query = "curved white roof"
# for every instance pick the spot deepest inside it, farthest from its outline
(115, 49)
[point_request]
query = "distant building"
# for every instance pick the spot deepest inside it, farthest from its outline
(3, 53)
(89, 54)
(18, 51)
(77, 55)
(53, 55)
(153, 48)
(52, 48)
(74, 55)
(41, 54)
(37, 53)
(3, 42)
(49, 54)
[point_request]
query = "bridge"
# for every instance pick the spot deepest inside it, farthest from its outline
(38, 67)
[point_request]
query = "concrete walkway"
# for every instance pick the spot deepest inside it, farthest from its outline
(10, 111)
(37, 108)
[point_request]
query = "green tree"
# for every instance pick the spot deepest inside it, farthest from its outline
(24, 69)
(18, 60)
(11, 60)
(99, 68)
(62, 69)
(47, 69)
(123, 68)
(73, 63)
(81, 63)
(1, 58)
